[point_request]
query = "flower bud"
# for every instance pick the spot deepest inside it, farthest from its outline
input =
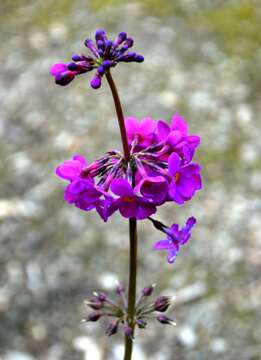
(96, 82)
(76, 57)
(147, 291)
(163, 319)
(128, 331)
(112, 328)
(162, 303)
(95, 304)
(141, 323)
(139, 58)
(93, 316)
(120, 289)
(102, 296)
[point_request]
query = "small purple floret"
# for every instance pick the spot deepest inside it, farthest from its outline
(175, 238)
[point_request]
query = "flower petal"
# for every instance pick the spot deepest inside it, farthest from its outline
(174, 163)
(163, 245)
(178, 123)
(122, 187)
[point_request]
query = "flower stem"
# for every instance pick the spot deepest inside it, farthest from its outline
(132, 284)
(132, 224)
(120, 116)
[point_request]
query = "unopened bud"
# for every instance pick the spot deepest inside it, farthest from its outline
(94, 304)
(112, 328)
(147, 291)
(128, 331)
(120, 289)
(141, 323)
(162, 303)
(163, 319)
(94, 316)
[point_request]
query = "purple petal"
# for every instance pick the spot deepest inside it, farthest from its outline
(172, 256)
(145, 210)
(163, 245)
(147, 126)
(173, 138)
(186, 187)
(122, 187)
(191, 222)
(69, 170)
(81, 159)
(77, 186)
(178, 123)
(154, 188)
(174, 163)
(132, 125)
(163, 130)
(58, 68)
(129, 209)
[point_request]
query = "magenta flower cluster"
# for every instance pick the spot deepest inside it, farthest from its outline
(160, 170)
(105, 54)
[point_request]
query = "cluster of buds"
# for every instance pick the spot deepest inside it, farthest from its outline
(105, 54)
(103, 306)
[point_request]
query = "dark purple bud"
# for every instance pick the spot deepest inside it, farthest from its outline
(102, 296)
(129, 42)
(120, 38)
(163, 319)
(141, 323)
(94, 316)
(128, 331)
(96, 82)
(106, 64)
(72, 66)
(139, 58)
(100, 34)
(90, 45)
(108, 45)
(162, 303)
(100, 52)
(147, 291)
(64, 78)
(76, 57)
(112, 328)
(120, 289)
(94, 304)
(100, 44)
(101, 70)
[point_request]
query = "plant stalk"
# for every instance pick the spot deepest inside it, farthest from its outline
(132, 224)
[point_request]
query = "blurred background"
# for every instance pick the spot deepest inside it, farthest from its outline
(202, 59)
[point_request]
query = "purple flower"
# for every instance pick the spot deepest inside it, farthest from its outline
(175, 239)
(176, 138)
(185, 179)
(159, 170)
(82, 192)
(129, 203)
(105, 54)
(154, 188)
(140, 132)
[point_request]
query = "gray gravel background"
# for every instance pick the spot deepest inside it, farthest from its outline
(203, 60)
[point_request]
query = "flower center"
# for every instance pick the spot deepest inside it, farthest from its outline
(128, 199)
(177, 177)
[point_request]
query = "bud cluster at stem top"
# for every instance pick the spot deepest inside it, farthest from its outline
(105, 54)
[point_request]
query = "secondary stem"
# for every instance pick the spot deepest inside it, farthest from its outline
(132, 223)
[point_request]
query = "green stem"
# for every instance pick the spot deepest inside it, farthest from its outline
(132, 284)
(132, 223)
